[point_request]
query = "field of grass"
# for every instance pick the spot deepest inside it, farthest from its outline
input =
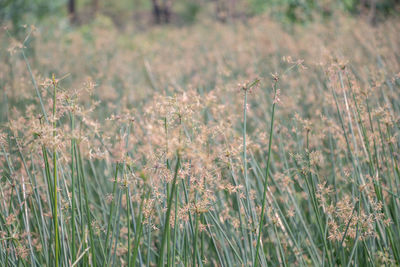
(237, 144)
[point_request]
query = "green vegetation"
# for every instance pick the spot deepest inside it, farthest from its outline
(221, 139)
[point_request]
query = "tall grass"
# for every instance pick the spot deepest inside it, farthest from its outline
(301, 168)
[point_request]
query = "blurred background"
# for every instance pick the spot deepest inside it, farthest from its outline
(145, 13)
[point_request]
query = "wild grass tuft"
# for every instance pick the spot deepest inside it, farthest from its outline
(141, 151)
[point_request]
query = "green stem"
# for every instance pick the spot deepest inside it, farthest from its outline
(128, 215)
(88, 214)
(111, 214)
(196, 234)
(166, 222)
(73, 190)
(55, 215)
(261, 222)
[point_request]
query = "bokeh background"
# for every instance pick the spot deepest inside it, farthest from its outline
(142, 13)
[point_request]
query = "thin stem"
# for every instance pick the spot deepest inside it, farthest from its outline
(110, 216)
(73, 250)
(261, 221)
(166, 222)
(55, 215)
(128, 215)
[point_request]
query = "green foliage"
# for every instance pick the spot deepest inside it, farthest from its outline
(301, 11)
(189, 11)
(180, 166)
(19, 11)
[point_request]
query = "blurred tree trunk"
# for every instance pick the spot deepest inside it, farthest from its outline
(372, 12)
(167, 11)
(161, 11)
(221, 10)
(156, 11)
(369, 6)
(226, 10)
(72, 11)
